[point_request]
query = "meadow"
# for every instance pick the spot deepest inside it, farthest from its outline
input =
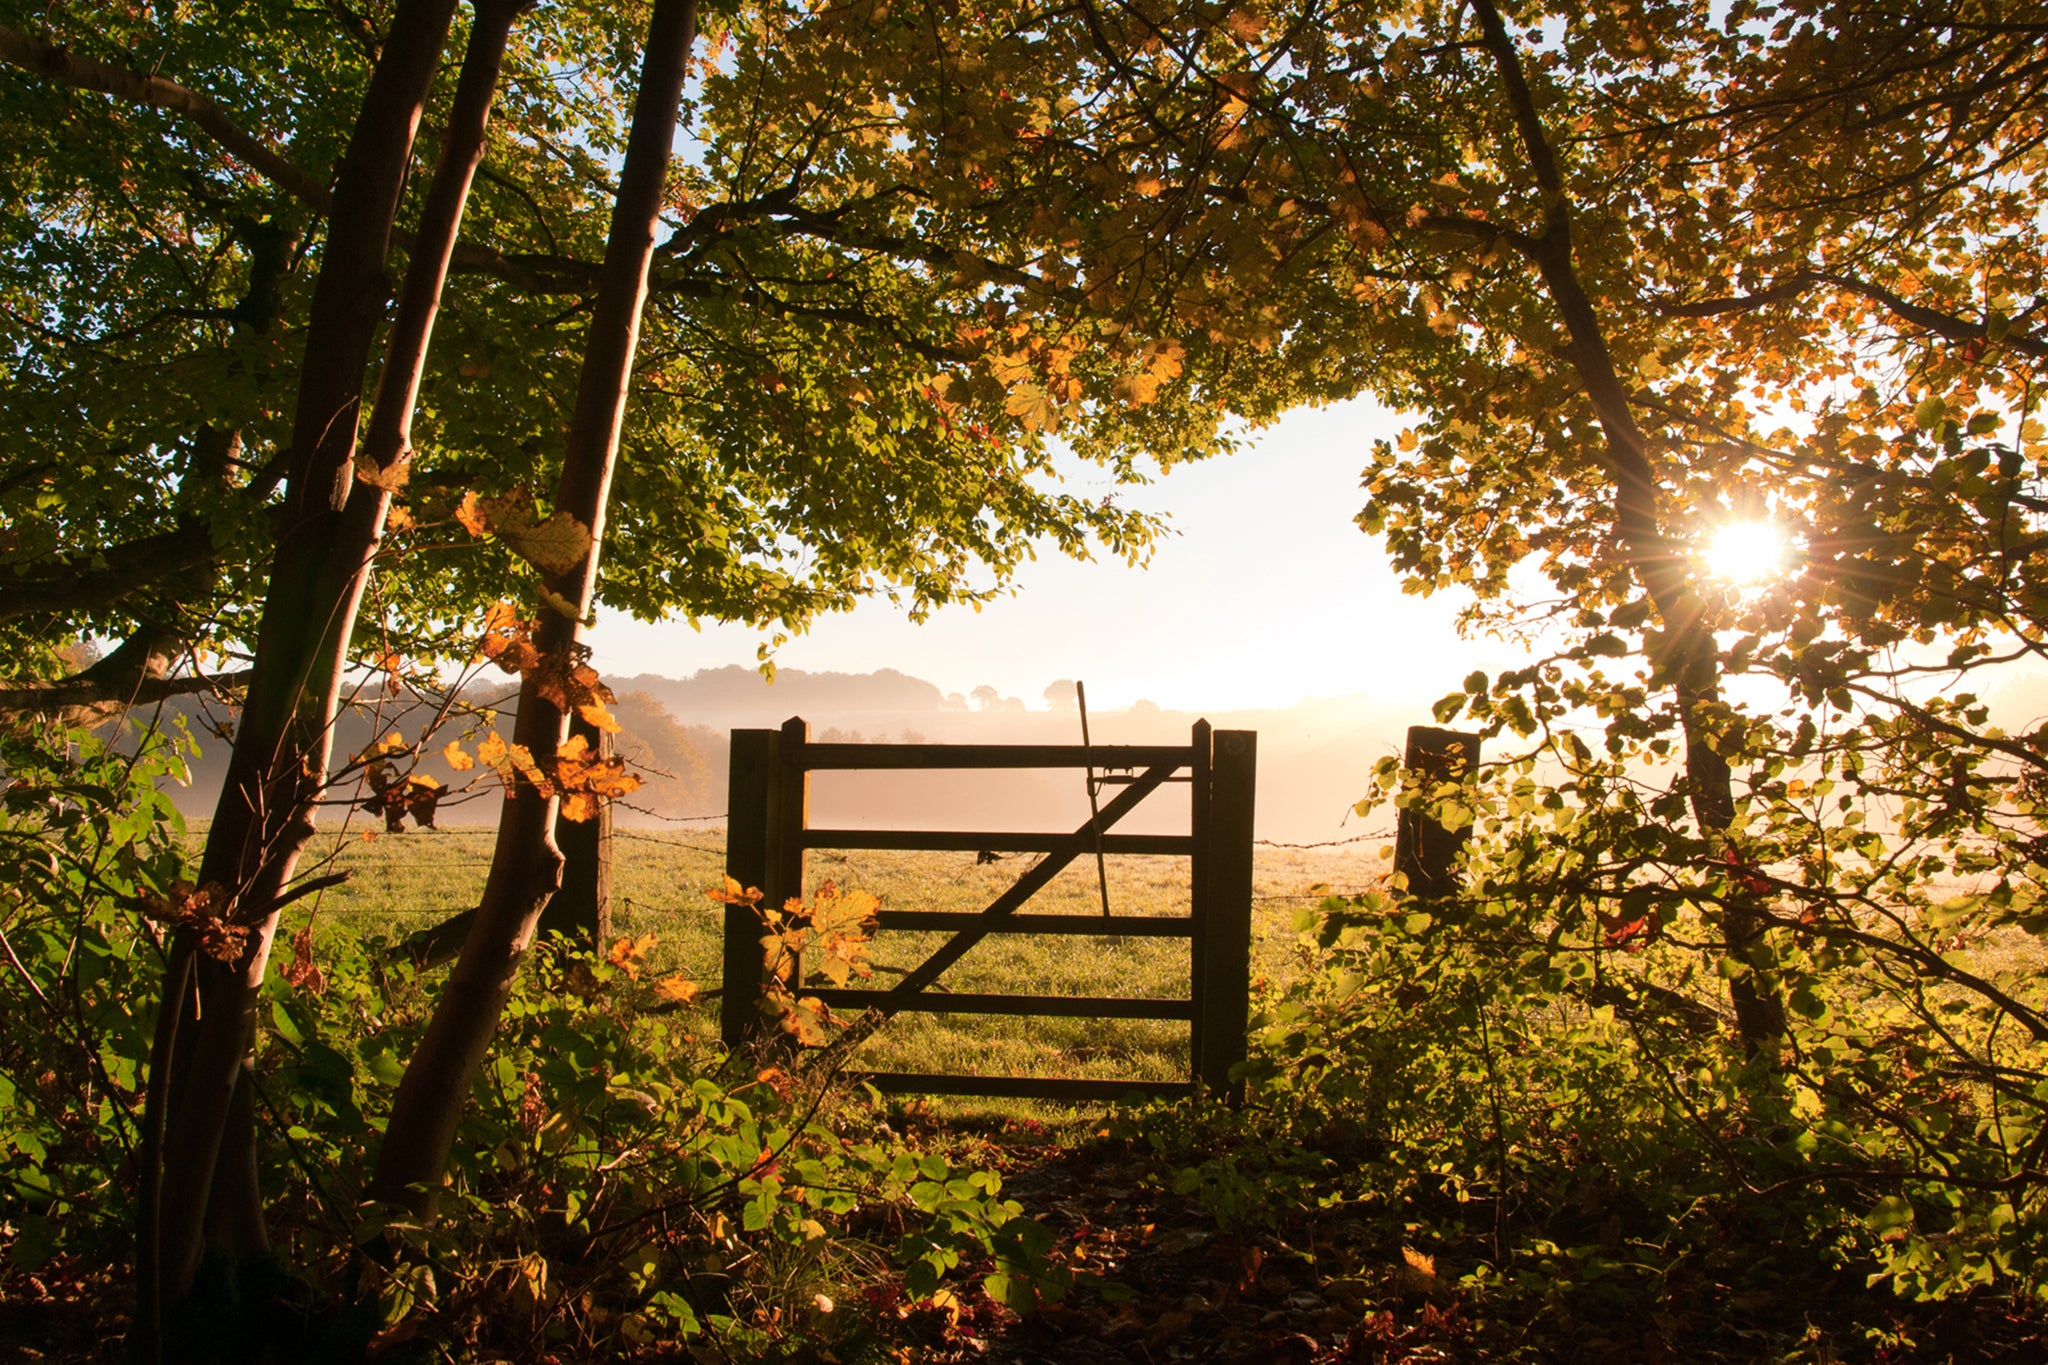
(401, 883)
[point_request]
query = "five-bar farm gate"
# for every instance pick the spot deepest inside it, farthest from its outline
(769, 832)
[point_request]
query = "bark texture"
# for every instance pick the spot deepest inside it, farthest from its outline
(198, 1187)
(526, 865)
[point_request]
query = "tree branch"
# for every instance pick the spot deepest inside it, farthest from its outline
(137, 673)
(83, 73)
(74, 583)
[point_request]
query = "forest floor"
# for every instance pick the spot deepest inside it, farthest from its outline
(1307, 1284)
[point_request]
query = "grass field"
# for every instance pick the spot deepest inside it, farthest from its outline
(400, 883)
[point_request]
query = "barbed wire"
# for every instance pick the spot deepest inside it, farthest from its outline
(1326, 843)
(653, 814)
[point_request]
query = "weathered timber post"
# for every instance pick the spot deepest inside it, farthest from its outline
(746, 862)
(1225, 933)
(789, 813)
(767, 805)
(582, 910)
(1201, 740)
(1424, 851)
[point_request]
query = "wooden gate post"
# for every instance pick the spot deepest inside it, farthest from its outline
(767, 805)
(746, 862)
(789, 815)
(1225, 934)
(1425, 851)
(1200, 877)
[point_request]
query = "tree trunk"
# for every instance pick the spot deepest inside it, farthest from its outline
(1688, 661)
(329, 530)
(526, 866)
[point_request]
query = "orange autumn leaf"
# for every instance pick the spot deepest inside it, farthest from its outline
(626, 954)
(677, 989)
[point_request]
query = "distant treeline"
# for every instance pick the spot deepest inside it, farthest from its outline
(684, 766)
(794, 691)
(1314, 757)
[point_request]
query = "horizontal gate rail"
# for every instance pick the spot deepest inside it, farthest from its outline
(1092, 926)
(1017, 1087)
(1003, 841)
(840, 757)
(769, 833)
(979, 1002)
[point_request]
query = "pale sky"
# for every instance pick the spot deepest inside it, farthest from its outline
(1267, 592)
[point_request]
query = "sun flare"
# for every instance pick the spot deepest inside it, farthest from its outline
(1747, 551)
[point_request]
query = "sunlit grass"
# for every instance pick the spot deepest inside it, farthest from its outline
(401, 883)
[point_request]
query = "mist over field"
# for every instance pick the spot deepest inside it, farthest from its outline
(1313, 755)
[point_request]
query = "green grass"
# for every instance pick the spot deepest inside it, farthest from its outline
(404, 882)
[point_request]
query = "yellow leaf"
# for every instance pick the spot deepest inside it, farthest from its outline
(579, 807)
(522, 759)
(1029, 402)
(631, 949)
(459, 760)
(732, 893)
(679, 989)
(1163, 359)
(1137, 389)
(492, 750)
(1418, 1262)
(807, 1020)
(555, 544)
(594, 712)
(1408, 439)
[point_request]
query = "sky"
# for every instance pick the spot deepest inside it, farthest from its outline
(1264, 592)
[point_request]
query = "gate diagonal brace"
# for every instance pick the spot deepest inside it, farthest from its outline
(1025, 888)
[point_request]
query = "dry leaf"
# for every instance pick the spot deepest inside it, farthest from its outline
(390, 478)
(627, 953)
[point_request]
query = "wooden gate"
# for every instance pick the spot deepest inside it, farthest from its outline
(769, 832)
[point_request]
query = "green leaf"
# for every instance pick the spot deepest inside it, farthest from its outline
(1892, 1214)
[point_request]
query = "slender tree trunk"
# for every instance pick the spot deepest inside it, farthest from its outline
(526, 866)
(1688, 662)
(199, 1061)
(582, 910)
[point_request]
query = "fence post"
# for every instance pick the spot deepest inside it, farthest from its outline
(1227, 934)
(747, 839)
(789, 814)
(582, 910)
(1200, 742)
(1424, 851)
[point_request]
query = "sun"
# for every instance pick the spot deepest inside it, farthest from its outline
(1747, 551)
